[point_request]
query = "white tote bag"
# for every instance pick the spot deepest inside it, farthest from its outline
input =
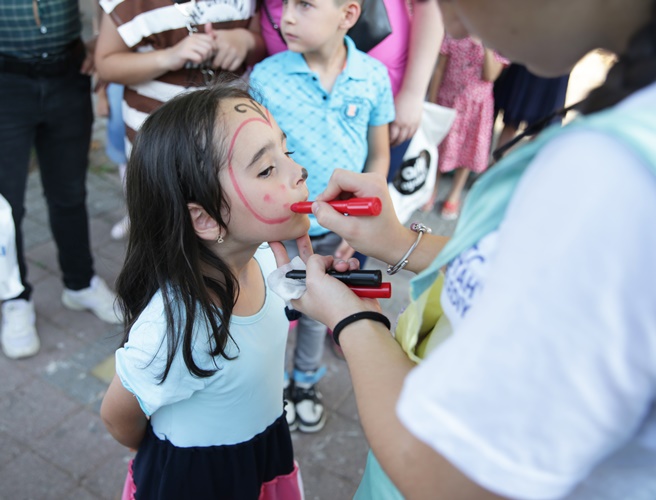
(413, 184)
(10, 283)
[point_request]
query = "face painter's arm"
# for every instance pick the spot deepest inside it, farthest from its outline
(383, 236)
(378, 368)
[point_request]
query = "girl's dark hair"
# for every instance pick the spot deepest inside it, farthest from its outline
(176, 159)
(634, 70)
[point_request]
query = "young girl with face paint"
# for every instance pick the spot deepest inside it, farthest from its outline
(199, 377)
(546, 387)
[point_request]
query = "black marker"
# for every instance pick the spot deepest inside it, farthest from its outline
(361, 277)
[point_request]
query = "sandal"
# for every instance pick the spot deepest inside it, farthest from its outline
(450, 210)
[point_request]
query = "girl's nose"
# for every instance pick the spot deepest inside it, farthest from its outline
(304, 174)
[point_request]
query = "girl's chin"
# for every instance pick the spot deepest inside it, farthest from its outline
(298, 230)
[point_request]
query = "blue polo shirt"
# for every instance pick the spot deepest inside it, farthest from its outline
(325, 130)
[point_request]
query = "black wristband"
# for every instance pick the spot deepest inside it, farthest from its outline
(372, 315)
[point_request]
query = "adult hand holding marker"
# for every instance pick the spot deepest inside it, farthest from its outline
(362, 282)
(358, 206)
(382, 237)
(320, 275)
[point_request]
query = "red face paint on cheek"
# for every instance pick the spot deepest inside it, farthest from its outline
(267, 198)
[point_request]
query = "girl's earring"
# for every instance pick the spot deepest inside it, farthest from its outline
(219, 238)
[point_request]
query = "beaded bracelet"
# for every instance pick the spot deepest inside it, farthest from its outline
(418, 228)
(372, 315)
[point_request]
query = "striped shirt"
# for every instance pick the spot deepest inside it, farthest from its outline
(26, 33)
(146, 25)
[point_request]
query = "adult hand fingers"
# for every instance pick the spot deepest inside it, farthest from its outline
(279, 252)
(326, 299)
(343, 182)
(344, 251)
(304, 245)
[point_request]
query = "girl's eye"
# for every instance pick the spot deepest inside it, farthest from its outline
(289, 154)
(266, 172)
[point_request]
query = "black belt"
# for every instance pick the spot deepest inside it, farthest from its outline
(58, 65)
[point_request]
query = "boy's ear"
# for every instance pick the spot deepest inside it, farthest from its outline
(352, 11)
(205, 226)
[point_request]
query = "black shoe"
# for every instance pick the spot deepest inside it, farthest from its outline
(310, 412)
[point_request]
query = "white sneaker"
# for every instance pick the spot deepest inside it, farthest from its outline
(19, 337)
(98, 299)
(120, 229)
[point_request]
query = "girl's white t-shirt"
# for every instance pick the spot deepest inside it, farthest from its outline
(547, 388)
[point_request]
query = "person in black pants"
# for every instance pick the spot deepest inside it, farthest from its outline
(45, 103)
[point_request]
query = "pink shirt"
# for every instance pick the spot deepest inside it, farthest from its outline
(392, 52)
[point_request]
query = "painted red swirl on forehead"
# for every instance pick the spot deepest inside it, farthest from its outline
(266, 119)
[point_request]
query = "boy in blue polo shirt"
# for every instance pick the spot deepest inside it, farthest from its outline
(335, 103)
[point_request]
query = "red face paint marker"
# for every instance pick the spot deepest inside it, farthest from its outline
(384, 291)
(353, 206)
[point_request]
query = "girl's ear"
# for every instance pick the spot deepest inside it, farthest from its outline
(352, 11)
(205, 226)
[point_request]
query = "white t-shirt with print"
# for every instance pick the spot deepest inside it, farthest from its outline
(547, 387)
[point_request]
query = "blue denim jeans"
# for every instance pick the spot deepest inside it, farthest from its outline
(311, 334)
(54, 116)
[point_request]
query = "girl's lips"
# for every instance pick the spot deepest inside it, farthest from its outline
(289, 36)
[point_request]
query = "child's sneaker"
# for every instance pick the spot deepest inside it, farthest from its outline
(19, 337)
(98, 299)
(310, 412)
(288, 403)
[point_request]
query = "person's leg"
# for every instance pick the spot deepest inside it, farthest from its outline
(115, 147)
(430, 204)
(308, 353)
(62, 144)
(507, 133)
(451, 207)
(19, 114)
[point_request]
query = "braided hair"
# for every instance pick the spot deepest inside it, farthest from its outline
(634, 70)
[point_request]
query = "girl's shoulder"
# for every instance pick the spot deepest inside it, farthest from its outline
(266, 259)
